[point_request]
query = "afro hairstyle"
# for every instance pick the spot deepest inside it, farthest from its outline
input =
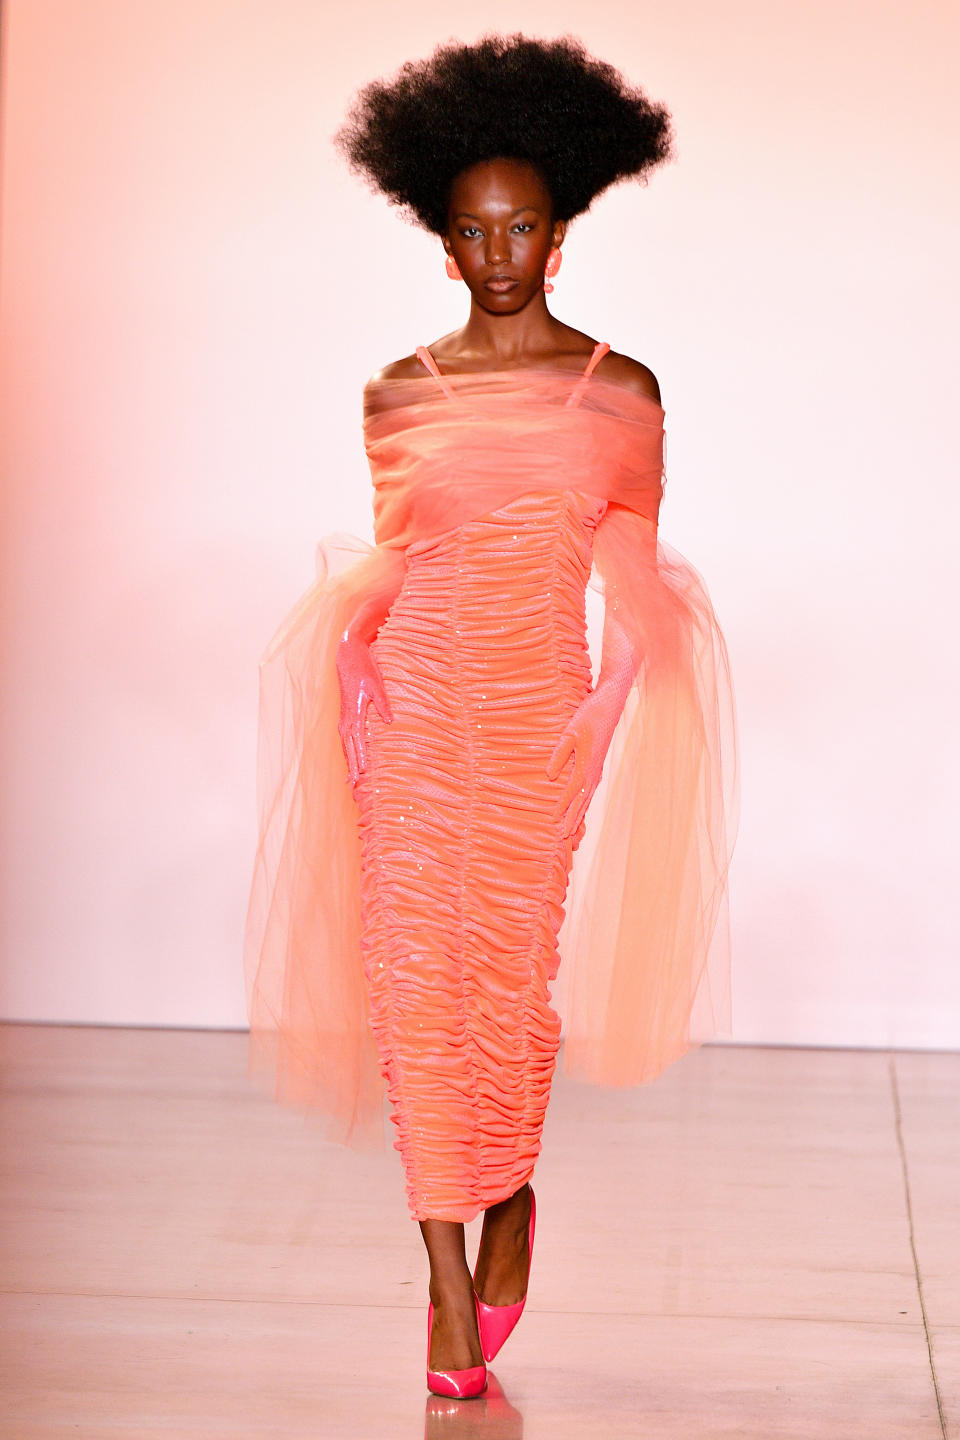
(575, 118)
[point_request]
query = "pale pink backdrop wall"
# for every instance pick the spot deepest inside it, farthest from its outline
(193, 292)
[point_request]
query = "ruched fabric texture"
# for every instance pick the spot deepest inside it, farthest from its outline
(646, 946)
(464, 870)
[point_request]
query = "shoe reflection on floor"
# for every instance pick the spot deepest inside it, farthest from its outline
(488, 1417)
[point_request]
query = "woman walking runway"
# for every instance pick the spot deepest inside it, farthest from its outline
(402, 933)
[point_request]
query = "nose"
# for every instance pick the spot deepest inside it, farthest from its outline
(497, 249)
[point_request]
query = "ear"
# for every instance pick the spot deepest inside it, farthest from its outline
(445, 242)
(559, 231)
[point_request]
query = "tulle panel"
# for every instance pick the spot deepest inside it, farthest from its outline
(310, 1037)
(648, 954)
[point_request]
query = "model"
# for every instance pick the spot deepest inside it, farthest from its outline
(402, 934)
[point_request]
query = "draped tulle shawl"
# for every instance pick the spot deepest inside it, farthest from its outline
(645, 945)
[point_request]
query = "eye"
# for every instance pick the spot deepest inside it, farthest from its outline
(470, 232)
(522, 225)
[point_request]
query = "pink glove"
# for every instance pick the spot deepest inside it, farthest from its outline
(586, 738)
(357, 671)
(360, 682)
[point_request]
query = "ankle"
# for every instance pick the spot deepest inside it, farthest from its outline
(451, 1290)
(510, 1218)
(515, 1209)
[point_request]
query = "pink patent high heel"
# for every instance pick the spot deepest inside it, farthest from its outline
(456, 1384)
(497, 1321)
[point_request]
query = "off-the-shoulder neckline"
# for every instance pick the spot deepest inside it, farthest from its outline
(550, 371)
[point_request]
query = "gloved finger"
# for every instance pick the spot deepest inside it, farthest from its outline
(566, 823)
(561, 754)
(575, 813)
(573, 786)
(347, 743)
(360, 740)
(379, 697)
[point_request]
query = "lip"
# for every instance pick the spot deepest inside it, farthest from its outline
(500, 284)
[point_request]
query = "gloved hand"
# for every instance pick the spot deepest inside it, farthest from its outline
(357, 671)
(360, 683)
(587, 735)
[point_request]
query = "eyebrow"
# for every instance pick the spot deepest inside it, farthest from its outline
(466, 214)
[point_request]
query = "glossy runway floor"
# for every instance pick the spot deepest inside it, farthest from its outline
(762, 1245)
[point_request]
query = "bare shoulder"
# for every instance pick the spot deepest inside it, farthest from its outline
(631, 374)
(409, 368)
(374, 400)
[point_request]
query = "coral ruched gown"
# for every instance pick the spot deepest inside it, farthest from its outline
(403, 939)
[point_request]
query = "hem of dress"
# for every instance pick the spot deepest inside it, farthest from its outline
(463, 1214)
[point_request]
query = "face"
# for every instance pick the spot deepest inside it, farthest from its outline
(500, 231)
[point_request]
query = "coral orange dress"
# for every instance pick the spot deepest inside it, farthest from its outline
(403, 939)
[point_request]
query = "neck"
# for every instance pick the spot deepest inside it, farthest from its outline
(508, 338)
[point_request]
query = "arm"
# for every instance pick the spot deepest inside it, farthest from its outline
(586, 739)
(357, 671)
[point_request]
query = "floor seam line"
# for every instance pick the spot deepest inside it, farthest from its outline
(898, 1127)
(755, 1318)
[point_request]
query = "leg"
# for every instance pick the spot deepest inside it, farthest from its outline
(455, 1342)
(503, 1261)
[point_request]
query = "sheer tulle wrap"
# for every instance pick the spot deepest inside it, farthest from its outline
(646, 948)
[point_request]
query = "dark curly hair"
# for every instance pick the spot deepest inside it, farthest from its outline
(575, 118)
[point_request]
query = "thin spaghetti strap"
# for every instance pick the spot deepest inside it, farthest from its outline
(427, 360)
(599, 350)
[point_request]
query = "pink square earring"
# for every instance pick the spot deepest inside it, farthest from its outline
(554, 261)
